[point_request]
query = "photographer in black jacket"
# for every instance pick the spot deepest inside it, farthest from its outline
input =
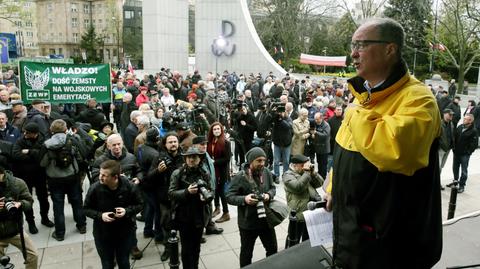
(249, 190)
(112, 203)
(15, 197)
(191, 193)
(158, 180)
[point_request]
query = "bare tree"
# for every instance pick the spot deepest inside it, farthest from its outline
(11, 10)
(368, 9)
(459, 32)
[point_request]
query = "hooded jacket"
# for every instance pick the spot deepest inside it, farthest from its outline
(56, 142)
(386, 181)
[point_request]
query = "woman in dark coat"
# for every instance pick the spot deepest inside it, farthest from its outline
(219, 150)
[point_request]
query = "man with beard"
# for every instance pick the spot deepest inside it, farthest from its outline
(26, 154)
(255, 180)
(158, 180)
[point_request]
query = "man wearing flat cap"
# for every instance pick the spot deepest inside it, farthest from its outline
(191, 210)
(300, 183)
(36, 114)
(19, 114)
(247, 189)
(185, 136)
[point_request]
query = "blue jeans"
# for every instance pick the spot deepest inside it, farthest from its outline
(461, 160)
(114, 249)
(72, 189)
(283, 154)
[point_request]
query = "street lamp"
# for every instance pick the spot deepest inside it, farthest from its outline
(219, 43)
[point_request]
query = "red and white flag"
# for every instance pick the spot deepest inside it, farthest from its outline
(130, 67)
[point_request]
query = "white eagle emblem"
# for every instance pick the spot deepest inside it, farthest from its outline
(36, 80)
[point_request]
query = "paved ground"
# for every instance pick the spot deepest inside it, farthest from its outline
(221, 251)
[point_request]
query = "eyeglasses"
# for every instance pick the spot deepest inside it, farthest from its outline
(360, 45)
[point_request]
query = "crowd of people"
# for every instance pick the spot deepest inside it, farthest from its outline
(170, 137)
(175, 151)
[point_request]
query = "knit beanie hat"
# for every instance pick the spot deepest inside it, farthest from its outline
(254, 153)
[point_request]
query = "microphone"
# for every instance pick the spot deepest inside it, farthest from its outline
(312, 205)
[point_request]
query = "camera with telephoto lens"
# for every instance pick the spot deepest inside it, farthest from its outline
(10, 206)
(260, 205)
(207, 195)
(5, 263)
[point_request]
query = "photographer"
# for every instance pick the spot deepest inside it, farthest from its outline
(14, 198)
(245, 125)
(190, 191)
(158, 180)
(282, 132)
(300, 182)
(112, 203)
(250, 189)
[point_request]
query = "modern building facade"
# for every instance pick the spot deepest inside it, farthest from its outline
(61, 24)
(133, 32)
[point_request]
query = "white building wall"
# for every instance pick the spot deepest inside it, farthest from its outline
(165, 35)
(250, 55)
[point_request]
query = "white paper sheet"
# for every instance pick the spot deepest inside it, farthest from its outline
(320, 226)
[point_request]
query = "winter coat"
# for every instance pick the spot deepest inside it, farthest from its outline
(189, 209)
(322, 138)
(93, 116)
(15, 189)
(10, 134)
(334, 123)
(55, 173)
(282, 132)
(159, 182)
(102, 199)
(39, 118)
(27, 166)
(300, 189)
(447, 139)
(389, 140)
(466, 141)
(128, 164)
(300, 128)
(241, 187)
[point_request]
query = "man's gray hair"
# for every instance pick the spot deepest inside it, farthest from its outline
(389, 30)
(134, 114)
(143, 120)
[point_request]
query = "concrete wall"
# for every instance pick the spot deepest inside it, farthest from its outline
(250, 55)
(165, 35)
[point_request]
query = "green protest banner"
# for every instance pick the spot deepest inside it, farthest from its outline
(64, 83)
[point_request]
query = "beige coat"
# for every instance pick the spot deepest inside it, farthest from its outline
(300, 128)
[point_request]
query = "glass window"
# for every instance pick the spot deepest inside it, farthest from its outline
(75, 37)
(86, 8)
(129, 14)
(74, 22)
(86, 23)
(52, 51)
(74, 7)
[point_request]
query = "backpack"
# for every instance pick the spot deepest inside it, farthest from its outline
(64, 157)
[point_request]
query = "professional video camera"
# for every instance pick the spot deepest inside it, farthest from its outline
(260, 205)
(207, 195)
(277, 107)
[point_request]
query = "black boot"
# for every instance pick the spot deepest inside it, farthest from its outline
(32, 228)
(165, 255)
(47, 222)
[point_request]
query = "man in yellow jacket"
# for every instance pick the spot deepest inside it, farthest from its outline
(385, 192)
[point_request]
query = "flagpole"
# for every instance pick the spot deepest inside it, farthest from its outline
(434, 37)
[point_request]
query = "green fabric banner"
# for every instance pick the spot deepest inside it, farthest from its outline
(64, 83)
